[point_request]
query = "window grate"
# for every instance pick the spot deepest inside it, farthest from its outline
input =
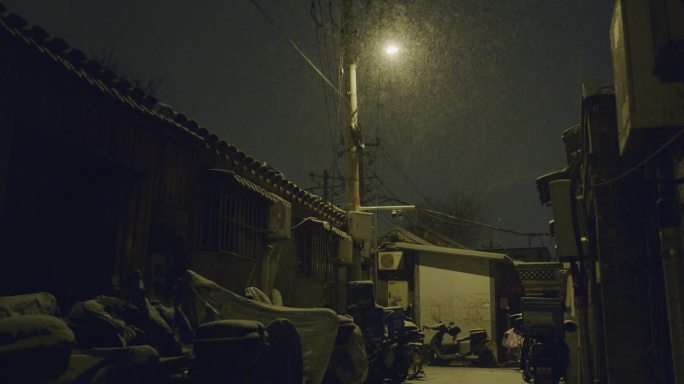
(316, 252)
(232, 222)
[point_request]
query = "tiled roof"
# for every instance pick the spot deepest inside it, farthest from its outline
(248, 185)
(90, 71)
(335, 231)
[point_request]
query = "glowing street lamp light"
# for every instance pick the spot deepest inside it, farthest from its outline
(391, 49)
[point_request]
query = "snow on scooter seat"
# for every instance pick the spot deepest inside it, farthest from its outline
(206, 301)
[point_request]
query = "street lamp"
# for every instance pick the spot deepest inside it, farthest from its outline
(391, 49)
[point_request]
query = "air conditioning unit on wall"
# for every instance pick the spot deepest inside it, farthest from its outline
(390, 261)
(645, 101)
(279, 226)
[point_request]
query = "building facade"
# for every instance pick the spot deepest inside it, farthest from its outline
(98, 180)
(618, 204)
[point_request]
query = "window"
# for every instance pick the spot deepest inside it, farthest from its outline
(316, 249)
(232, 220)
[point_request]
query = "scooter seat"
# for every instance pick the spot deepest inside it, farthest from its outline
(434, 327)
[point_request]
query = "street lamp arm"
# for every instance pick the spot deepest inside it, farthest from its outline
(386, 208)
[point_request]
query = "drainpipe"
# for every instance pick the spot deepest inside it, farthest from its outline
(669, 229)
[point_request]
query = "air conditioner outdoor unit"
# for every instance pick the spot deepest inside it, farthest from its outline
(390, 261)
(643, 100)
(279, 226)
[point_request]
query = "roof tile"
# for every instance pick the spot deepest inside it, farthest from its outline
(56, 45)
(76, 57)
(192, 125)
(38, 34)
(180, 119)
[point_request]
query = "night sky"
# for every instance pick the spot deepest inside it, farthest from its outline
(474, 104)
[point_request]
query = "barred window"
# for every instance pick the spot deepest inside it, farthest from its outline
(316, 249)
(232, 221)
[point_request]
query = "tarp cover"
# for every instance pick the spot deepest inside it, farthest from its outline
(349, 362)
(205, 301)
(33, 348)
(41, 303)
(131, 365)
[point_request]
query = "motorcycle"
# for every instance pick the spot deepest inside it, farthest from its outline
(474, 349)
(544, 354)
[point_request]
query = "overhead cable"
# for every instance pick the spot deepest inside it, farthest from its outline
(643, 162)
(405, 175)
(323, 56)
(459, 220)
(298, 49)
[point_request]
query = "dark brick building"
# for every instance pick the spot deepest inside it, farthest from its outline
(98, 179)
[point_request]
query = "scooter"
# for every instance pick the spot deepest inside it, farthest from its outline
(544, 354)
(385, 334)
(474, 349)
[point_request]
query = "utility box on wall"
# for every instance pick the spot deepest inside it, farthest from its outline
(360, 225)
(345, 250)
(398, 293)
(643, 100)
(564, 228)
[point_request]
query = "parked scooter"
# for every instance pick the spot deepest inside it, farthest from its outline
(384, 332)
(544, 354)
(474, 349)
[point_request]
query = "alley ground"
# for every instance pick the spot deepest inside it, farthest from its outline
(463, 375)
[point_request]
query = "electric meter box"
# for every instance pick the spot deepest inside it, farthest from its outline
(563, 220)
(360, 225)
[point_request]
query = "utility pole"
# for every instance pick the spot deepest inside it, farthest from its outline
(351, 133)
(351, 136)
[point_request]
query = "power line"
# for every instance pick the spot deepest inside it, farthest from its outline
(382, 184)
(298, 49)
(405, 175)
(323, 55)
(643, 162)
(459, 220)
